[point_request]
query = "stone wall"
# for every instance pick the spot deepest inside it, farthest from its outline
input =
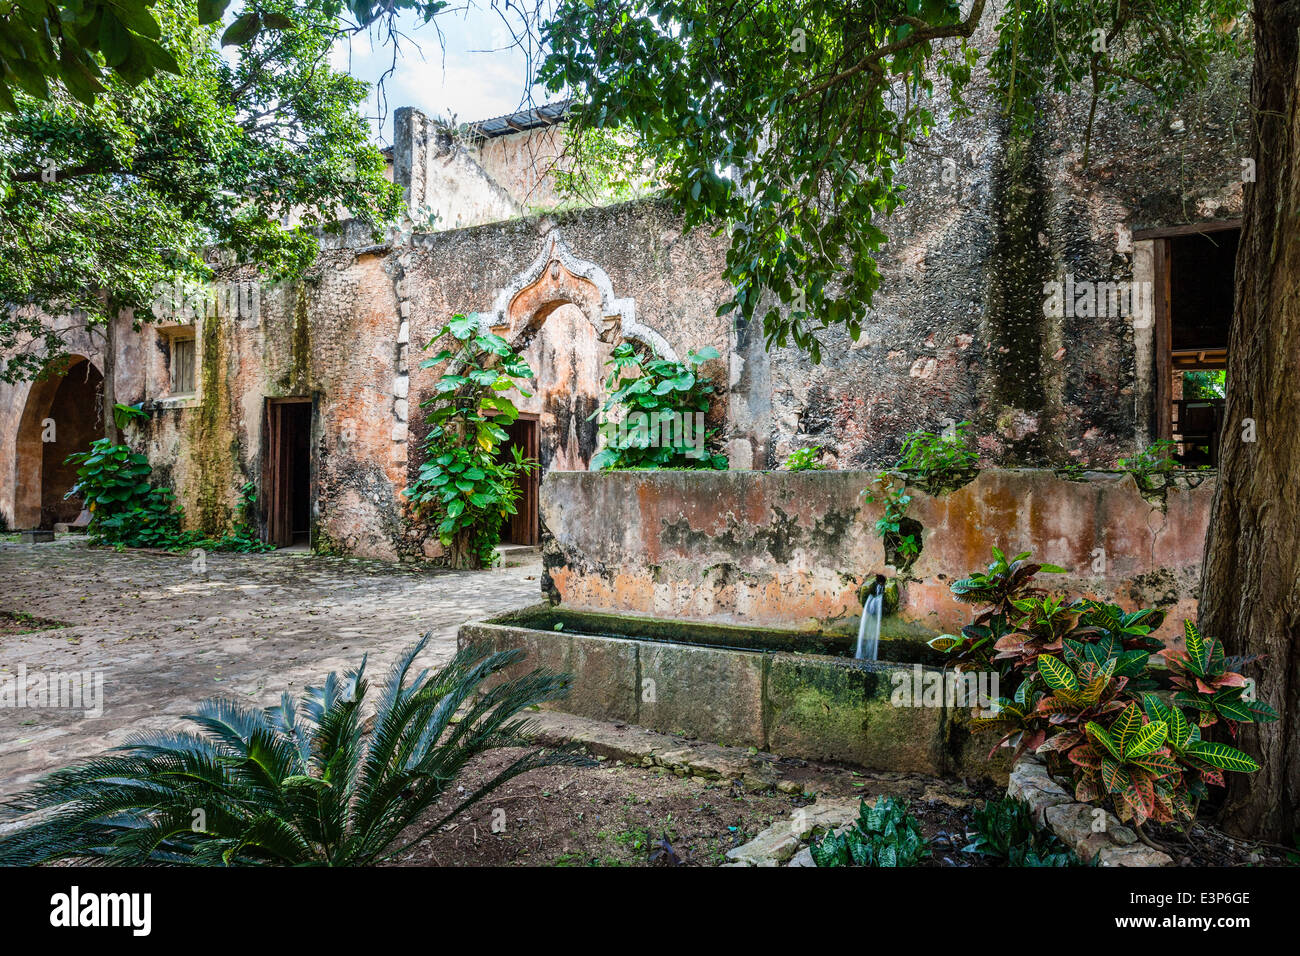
(956, 332)
(792, 549)
(443, 177)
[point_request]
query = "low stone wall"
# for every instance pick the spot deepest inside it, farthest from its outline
(792, 549)
(794, 705)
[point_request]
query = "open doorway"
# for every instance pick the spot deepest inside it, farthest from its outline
(288, 472)
(1195, 273)
(525, 525)
(63, 414)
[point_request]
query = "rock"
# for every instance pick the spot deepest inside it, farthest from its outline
(775, 844)
(1030, 782)
(1085, 829)
(782, 841)
(802, 858)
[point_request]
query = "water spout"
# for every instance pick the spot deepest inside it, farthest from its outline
(869, 623)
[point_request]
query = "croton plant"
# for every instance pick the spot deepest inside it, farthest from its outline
(1083, 693)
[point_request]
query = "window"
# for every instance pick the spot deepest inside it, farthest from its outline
(182, 366)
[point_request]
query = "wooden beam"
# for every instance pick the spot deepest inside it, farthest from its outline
(1191, 229)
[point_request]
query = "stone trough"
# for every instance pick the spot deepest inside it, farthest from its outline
(791, 693)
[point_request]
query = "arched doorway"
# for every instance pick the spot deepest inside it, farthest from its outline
(563, 317)
(63, 415)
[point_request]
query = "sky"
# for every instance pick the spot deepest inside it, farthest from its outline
(478, 76)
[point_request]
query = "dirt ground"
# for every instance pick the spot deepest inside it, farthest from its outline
(616, 815)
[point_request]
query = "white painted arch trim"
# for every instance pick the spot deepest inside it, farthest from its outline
(624, 309)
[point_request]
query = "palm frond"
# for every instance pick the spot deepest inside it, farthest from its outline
(291, 784)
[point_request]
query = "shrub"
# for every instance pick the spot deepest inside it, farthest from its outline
(464, 484)
(127, 510)
(1081, 695)
(659, 400)
(804, 459)
(289, 785)
(883, 835)
(1006, 830)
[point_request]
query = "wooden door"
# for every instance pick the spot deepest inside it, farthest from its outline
(287, 472)
(525, 525)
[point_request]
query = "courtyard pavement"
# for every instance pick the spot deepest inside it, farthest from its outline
(166, 634)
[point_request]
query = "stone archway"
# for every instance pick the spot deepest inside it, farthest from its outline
(562, 316)
(557, 278)
(63, 415)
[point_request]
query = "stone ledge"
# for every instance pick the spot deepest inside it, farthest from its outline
(1113, 845)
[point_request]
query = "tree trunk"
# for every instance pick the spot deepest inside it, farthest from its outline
(110, 379)
(1250, 589)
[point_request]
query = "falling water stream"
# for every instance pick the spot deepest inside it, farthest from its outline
(869, 625)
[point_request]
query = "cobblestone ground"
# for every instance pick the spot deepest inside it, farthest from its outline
(166, 636)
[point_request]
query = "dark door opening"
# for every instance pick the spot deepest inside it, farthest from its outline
(525, 525)
(1194, 300)
(288, 473)
(75, 419)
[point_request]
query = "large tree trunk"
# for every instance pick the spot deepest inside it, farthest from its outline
(1250, 590)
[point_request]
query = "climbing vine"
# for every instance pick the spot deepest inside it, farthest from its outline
(466, 485)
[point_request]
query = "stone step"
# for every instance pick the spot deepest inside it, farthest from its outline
(518, 555)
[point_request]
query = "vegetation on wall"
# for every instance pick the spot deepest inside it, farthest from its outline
(935, 459)
(1077, 688)
(938, 458)
(654, 416)
(293, 785)
(465, 484)
(804, 459)
(128, 511)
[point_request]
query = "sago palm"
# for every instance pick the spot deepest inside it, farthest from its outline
(292, 785)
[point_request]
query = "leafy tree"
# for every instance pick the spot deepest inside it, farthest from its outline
(102, 204)
(786, 122)
(75, 42)
(290, 785)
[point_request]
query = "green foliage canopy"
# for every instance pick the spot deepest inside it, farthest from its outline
(100, 204)
(785, 121)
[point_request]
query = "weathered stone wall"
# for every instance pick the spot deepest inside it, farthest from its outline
(524, 164)
(957, 331)
(793, 549)
(443, 177)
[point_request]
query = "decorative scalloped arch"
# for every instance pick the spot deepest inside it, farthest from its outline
(558, 277)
